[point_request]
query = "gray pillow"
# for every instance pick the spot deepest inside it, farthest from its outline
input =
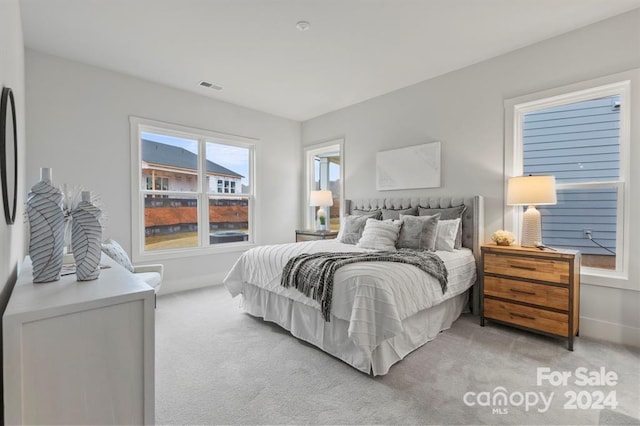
(447, 214)
(374, 214)
(395, 213)
(352, 227)
(418, 232)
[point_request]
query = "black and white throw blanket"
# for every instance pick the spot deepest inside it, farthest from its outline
(312, 273)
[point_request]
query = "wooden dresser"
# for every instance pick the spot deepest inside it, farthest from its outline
(537, 290)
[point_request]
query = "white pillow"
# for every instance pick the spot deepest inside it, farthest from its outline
(380, 235)
(446, 234)
(112, 249)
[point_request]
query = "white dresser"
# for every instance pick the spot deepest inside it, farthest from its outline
(79, 352)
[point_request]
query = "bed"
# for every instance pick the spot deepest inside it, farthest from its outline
(381, 311)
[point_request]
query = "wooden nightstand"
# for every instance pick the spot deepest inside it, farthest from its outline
(310, 234)
(537, 290)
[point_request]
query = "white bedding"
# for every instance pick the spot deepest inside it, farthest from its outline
(373, 297)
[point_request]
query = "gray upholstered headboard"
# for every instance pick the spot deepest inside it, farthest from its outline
(472, 220)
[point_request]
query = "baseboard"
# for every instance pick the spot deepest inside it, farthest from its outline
(612, 332)
(190, 283)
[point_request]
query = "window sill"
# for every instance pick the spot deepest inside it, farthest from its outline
(611, 279)
(192, 252)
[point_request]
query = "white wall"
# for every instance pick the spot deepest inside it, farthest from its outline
(78, 124)
(464, 109)
(12, 76)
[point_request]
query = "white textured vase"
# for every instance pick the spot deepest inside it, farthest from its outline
(46, 229)
(86, 238)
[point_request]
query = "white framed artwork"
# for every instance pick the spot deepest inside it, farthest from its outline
(408, 168)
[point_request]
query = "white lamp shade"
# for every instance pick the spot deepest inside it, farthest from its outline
(531, 190)
(320, 198)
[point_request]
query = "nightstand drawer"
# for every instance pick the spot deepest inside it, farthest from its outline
(527, 267)
(537, 294)
(525, 316)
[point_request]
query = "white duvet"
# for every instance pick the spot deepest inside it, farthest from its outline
(374, 297)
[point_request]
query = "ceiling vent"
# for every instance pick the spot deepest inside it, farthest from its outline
(210, 85)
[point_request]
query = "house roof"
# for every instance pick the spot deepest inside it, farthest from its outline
(174, 156)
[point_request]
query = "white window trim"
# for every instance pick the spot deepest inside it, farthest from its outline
(138, 254)
(618, 84)
(309, 152)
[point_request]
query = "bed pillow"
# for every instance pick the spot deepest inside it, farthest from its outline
(418, 232)
(112, 249)
(395, 213)
(447, 214)
(380, 235)
(375, 214)
(446, 235)
(352, 227)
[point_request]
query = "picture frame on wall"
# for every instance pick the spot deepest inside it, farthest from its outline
(411, 167)
(8, 155)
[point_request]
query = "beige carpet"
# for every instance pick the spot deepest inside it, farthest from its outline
(217, 365)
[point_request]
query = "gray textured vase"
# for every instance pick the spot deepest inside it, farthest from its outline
(86, 238)
(46, 225)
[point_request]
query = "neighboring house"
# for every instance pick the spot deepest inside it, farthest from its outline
(172, 168)
(577, 143)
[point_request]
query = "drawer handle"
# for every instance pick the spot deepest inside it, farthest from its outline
(529, 293)
(527, 268)
(522, 316)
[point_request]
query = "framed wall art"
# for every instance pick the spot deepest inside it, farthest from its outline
(408, 168)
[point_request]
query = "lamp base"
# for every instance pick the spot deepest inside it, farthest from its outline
(531, 228)
(321, 214)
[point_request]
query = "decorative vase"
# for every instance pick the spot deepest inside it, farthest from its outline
(86, 238)
(503, 243)
(46, 224)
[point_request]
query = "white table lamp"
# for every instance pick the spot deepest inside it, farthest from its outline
(531, 191)
(321, 199)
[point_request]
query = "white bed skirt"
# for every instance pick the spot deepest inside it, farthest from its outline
(306, 323)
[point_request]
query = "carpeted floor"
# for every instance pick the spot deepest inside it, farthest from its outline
(217, 365)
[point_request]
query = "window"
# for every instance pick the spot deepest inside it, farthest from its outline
(196, 189)
(582, 139)
(325, 170)
(162, 184)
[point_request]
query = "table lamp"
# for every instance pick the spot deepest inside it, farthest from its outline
(321, 199)
(531, 191)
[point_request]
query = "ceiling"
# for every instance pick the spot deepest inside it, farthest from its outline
(353, 51)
